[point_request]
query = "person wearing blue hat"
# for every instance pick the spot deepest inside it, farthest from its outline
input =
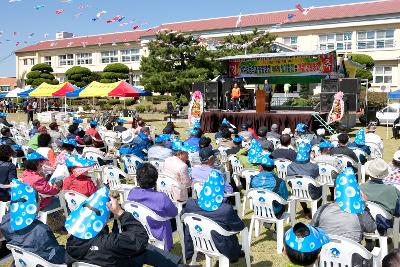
(3, 120)
(20, 227)
(160, 150)
(267, 179)
(120, 125)
(302, 134)
(6, 139)
(91, 241)
(237, 142)
(303, 244)
(348, 216)
(359, 143)
(303, 166)
(226, 141)
(92, 131)
(195, 135)
(211, 204)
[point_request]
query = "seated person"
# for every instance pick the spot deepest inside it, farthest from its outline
(274, 133)
(110, 132)
(392, 259)
(262, 138)
(284, 151)
(302, 134)
(129, 147)
(394, 170)
(3, 120)
(160, 150)
(244, 131)
(170, 129)
(326, 157)
(321, 133)
(176, 167)
(78, 181)
(8, 171)
(267, 179)
(55, 133)
(372, 137)
(243, 155)
(303, 166)
(222, 213)
(250, 129)
(35, 177)
(158, 202)
(33, 143)
(226, 140)
(67, 148)
(72, 130)
(77, 121)
(126, 248)
(143, 139)
(31, 235)
(92, 131)
(46, 149)
(139, 126)
(6, 139)
(120, 125)
(303, 244)
(204, 142)
(201, 173)
(224, 124)
(35, 127)
(89, 146)
(195, 135)
(342, 149)
(237, 142)
(347, 216)
(359, 143)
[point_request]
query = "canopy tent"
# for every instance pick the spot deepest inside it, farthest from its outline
(394, 95)
(26, 92)
(75, 93)
(124, 89)
(14, 93)
(48, 90)
(3, 95)
(96, 89)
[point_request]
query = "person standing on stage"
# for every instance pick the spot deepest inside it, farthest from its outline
(268, 91)
(235, 97)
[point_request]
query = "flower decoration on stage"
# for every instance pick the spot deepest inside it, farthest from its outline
(197, 95)
(162, 138)
(212, 194)
(254, 151)
(337, 110)
(196, 107)
(347, 194)
(89, 218)
(310, 243)
(303, 152)
(360, 137)
(24, 207)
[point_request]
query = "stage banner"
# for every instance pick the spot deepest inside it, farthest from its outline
(322, 64)
(337, 111)
(195, 107)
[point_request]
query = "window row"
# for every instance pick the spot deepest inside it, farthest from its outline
(113, 56)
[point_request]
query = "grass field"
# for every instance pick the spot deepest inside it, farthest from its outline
(263, 248)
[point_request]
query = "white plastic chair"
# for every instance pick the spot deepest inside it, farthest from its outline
(23, 258)
(376, 209)
(344, 160)
(111, 175)
(237, 168)
(274, 141)
(248, 175)
(130, 162)
(300, 192)
(84, 264)
(20, 140)
(70, 200)
(141, 213)
(157, 163)
(263, 211)
(166, 184)
(200, 229)
(339, 252)
(376, 151)
(325, 178)
(315, 151)
(110, 143)
(281, 167)
(92, 155)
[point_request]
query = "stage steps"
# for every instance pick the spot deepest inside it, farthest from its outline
(324, 123)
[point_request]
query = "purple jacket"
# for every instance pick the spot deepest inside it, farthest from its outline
(162, 206)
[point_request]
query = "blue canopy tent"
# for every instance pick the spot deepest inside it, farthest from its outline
(74, 93)
(26, 93)
(394, 95)
(3, 95)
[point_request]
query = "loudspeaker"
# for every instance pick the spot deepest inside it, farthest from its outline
(349, 86)
(170, 108)
(211, 95)
(200, 86)
(329, 86)
(350, 102)
(327, 101)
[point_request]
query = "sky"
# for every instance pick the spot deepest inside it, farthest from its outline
(30, 24)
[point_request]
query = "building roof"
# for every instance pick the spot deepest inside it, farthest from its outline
(9, 81)
(351, 10)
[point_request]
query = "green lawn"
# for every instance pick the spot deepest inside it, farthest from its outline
(263, 248)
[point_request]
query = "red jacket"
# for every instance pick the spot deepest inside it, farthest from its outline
(81, 184)
(95, 134)
(41, 185)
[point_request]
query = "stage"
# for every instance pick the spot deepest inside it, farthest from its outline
(211, 120)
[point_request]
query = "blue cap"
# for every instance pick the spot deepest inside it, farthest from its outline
(121, 120)
(77, 120)
(3, 114)
(360, 137)
(303, 152)
(237, 139)
(76, 161)
(89, 218)
(348, 194)
(24, 207)
(301, 128)
(34, 155)
(93, 122)
(212, 194)
(313, 242)
(162, 138)
(69, 142)
(325, 144)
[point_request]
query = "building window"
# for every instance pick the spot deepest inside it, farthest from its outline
(25, 62)
(130, 55)
(84, 59)
(375, 39)
(290, 41)
(5, 88)
(335, 41)
(47, 60)
(66, 60)
(32, 61)
(62, 79)
(136, 79)
(109, 56)
(382, 74)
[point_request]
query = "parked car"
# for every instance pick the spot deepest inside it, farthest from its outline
(388, 114)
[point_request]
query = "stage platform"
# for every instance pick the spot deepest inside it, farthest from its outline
(211, 120)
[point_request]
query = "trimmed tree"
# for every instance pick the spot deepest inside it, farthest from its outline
(79, 76)
(39, 74)
(114, 73)
(368, 62)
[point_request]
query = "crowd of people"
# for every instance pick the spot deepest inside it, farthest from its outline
(101, 232)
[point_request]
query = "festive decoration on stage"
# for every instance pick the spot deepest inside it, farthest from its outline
(321, 64)
(195, 107)
(337, 111)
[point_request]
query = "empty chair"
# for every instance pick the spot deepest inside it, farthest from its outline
(281, 167)
(200, 229)
(339, 252)
(248, 175)
(70, 200)
(263, 211)
(376, 152)
(237, 168)
(131, 162)
(23, 258)
(110, 143)
(325, 178)
(111, 176)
